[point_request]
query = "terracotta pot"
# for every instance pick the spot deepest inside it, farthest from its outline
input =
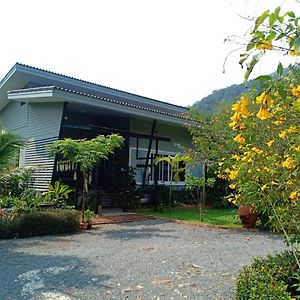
(248, 216)
(85, 226)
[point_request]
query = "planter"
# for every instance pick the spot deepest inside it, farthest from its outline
(47, 205)
(85, 226)
(248, 216)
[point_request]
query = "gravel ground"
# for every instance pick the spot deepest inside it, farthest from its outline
(149, 259)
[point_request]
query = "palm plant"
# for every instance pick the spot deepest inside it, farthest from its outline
(10, 144)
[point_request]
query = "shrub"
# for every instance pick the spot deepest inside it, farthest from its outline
(48, 222)
(270, 278)
(9, 227)
(13, 181)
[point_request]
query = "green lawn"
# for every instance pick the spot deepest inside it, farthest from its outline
(215, 216)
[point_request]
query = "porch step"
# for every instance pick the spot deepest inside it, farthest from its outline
(111, 200)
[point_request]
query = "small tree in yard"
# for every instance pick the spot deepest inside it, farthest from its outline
(86, 153)
(176, 169)
(195, 184)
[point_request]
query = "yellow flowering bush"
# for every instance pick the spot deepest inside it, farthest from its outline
(264, 168)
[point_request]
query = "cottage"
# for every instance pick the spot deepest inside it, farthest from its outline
(44, 106)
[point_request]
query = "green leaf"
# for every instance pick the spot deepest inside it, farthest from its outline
(274, 17)
(251, 66)
(280, 36)
(271, 36)
(279, 69)
(291, 14)
(282, 92)
(264, 78)
(296, 44)
(261, 19)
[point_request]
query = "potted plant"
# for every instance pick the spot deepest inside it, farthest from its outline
(247, 215)
(88, 216)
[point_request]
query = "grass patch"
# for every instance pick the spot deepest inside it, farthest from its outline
(216, 216)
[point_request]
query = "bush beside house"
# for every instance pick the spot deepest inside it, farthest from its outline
(47, 222)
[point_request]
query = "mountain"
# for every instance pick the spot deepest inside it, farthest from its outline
(222, 97)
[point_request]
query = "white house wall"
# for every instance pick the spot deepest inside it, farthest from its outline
(14, 117)
(40, 124)
(44, 121)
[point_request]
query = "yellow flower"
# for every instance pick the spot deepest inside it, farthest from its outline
(264, 45)
(292, 129)
(232, 186)
(282, 134)
(257, 150)
(241, 108)
(263, 113)
(270, 143)
(297, 104)
(220, 164)
(233, 174)
(274, 183)
(294, 196)
(293, 52)
(236, 117)
(297, 148)
(263, 188)
(236, 157)
(288, 163)
(240, 139)
(296, 91)
(232, 200)
(278, 122)
(244, 101)
(265, 98)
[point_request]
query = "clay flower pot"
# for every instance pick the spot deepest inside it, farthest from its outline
(85, 226)
(248, 216)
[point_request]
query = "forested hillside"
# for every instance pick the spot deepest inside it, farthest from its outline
(221, 97)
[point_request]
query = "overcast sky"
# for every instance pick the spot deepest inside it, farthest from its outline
(169, 50)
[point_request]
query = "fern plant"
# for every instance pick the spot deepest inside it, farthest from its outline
(58, 194)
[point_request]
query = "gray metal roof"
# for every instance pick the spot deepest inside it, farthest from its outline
(116, 100)
(41, 77)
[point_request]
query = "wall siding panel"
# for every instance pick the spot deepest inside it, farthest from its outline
(44, 121)
(14, 116)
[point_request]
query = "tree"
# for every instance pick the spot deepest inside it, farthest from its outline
(212, 141)
(195, 185)
(175, 163)
(86, 154)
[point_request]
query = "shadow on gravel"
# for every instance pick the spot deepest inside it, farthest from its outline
(27, 275)
(134, 233)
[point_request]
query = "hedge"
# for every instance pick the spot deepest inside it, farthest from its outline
(270, 278)
(47, 222)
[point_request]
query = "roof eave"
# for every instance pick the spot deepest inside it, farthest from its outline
(55, 94)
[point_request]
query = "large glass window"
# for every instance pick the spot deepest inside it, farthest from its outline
(165, 172)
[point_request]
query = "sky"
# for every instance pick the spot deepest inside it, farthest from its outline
(169, 50)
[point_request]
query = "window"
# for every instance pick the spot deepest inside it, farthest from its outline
(165, 174)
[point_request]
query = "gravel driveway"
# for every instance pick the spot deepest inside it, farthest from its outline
(149, 259)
